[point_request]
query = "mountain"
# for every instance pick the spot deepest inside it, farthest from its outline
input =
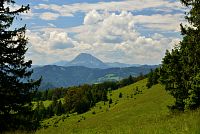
(61, 63)
(59, 76)
(118, 64)
(34, 66)
(87, 60)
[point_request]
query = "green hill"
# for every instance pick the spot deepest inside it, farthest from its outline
(142, 111)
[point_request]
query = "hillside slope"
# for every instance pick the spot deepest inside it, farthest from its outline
(145, 112)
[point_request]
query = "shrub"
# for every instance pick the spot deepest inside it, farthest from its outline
(120, 95)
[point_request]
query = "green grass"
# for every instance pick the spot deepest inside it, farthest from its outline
(46, 103)
(144, 113)
(109, 77)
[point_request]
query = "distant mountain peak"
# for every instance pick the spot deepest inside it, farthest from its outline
(90, 61)
(87, 60)
(85, 56)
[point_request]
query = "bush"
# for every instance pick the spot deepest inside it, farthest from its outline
(110, 101)
(120, 95)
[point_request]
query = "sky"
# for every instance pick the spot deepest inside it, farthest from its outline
(126, 31)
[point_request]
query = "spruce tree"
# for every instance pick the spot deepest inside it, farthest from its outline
(16, 87)
(180, 70)
(150, 79)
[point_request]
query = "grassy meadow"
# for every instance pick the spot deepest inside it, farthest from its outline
(140, 110)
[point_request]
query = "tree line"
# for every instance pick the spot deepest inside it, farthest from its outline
(57, 93)
(77, 99)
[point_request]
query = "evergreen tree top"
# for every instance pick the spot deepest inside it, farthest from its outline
(16, 87)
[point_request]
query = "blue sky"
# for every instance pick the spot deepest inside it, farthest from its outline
(136, 32)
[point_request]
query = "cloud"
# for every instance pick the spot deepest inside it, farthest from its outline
(63, 45)
(49, 16)
(51, 25)
(167, 22)
(112, 37)
(48, 45)
(113, 6)
(112, 28)
(92, 18)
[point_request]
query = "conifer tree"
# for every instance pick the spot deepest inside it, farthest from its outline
(16, 87)
(150, 79)
(153, 77)
(180, 70)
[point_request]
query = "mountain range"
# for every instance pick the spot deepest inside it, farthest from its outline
(58, 76)
(87, 60)
(85, 68)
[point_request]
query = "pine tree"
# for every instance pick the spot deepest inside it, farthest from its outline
(120, 95)
(153, 77)
(180, 70)
(59, 108)
(16, 87)
(150, 79)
